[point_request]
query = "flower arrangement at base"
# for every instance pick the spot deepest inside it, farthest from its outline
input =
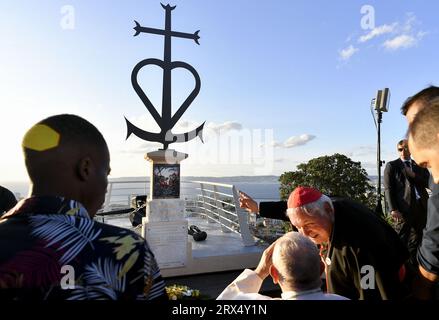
(181, 292)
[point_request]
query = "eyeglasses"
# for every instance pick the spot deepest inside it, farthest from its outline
(401, 149)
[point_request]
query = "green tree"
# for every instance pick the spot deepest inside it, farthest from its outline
(335, 175)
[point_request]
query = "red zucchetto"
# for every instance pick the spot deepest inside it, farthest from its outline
(302, 196)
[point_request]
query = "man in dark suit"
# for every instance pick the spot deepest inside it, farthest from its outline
(405, 186)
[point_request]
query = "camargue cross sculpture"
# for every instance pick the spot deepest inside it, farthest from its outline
(165, 121)
(164, 224)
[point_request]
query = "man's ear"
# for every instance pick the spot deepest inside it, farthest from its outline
(83, 168)
(328, 209)
(274, 274)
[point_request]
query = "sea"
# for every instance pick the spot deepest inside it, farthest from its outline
(260, 188)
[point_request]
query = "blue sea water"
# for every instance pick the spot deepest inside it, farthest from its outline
(260, 191)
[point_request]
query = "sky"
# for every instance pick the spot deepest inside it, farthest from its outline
(282, 82)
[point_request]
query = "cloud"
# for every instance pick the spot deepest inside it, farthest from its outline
(375, 32)
(224, 127)
(402, 34)
(298, 141)
(407, 35)
(290, 142)
(347, 53)
(363, 151)
(185, 124)
(140, 147)
(211, 130)
(149, 144)
(276, 144)
(403, 41)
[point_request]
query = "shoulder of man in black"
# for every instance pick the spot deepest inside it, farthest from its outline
(428, 251)
(7, 199)
(395, 164)
(359, 227)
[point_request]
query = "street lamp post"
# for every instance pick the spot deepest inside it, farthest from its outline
(381, 103)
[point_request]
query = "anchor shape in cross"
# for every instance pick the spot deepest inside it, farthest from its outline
(165, 121)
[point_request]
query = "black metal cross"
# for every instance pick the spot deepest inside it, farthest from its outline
(165, 121)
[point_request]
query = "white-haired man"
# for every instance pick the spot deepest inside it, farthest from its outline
(363, 255)
(293, 262)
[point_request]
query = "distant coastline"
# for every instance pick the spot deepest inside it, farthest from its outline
(238, 179)
(20, 188)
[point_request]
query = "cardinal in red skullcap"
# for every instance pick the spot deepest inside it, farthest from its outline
(303, 195)
(310, 218)
(364, 254)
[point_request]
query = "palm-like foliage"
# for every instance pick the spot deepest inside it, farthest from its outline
(101, 281)
(70, 233)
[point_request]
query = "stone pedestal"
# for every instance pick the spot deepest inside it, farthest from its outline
(165, 229)
(165, 226)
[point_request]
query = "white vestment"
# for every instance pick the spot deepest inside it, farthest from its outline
(247, 285)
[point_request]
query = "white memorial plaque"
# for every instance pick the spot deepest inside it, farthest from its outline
(168, 242)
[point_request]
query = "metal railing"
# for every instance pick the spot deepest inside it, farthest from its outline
(217, 202)
(119, 193)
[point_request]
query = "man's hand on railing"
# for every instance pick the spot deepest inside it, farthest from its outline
(247, 203)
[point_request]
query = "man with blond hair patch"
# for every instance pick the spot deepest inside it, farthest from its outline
(51, 248)
(293, 262)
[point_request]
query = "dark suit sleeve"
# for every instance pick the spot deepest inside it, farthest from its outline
(389, 187)
(422, 177)
(273, 210)
(428, 253)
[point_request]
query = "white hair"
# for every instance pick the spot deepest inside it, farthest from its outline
(297, 260)
(315, 208)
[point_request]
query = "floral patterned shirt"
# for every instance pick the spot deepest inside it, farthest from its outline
(50, 248)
